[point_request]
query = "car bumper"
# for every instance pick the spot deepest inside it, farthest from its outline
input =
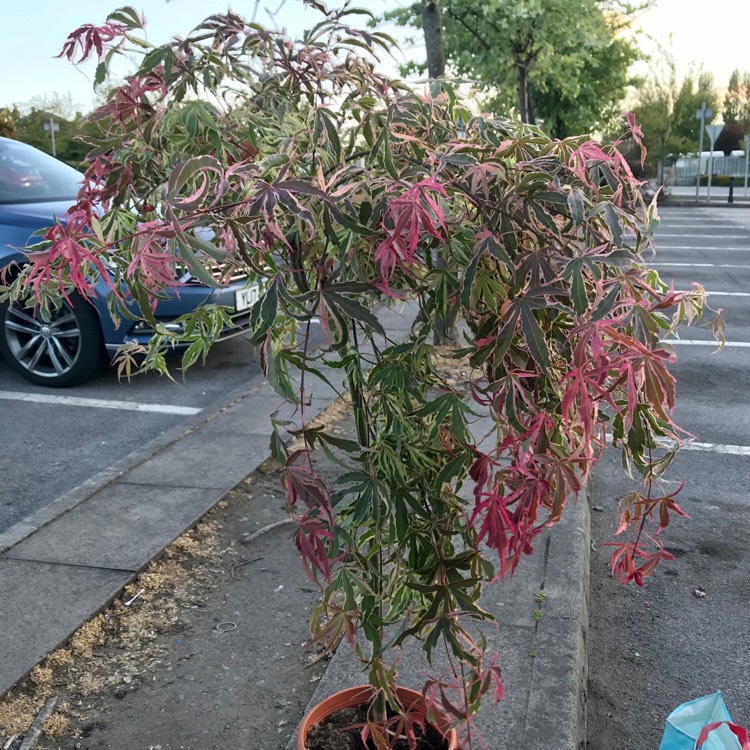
(181, 301)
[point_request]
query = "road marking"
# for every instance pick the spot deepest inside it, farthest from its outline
(97, 403)
(692, 248)
(717, 294)
(730, 450)
(704, 236)
(697, 265)
(697, 342)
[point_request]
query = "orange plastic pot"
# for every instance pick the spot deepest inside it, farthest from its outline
(357, 696)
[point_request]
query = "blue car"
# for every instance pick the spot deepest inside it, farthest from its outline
(69, 348)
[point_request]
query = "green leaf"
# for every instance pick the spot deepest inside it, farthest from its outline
(352, 308)
(402, 519)
(277, 375)
(196, 267)
(263, 312)
(326, 121)
(504, 339)
(459, 159)
(453, 469)
(193, 352)
(100, 74)
(152, 59)
(578, 286)
(534, 337)
(613, 222)
(278, 448)
(348, 446)
(128, 16)
(575, 205)
(181, 173)
(547, 196)
(607, 303)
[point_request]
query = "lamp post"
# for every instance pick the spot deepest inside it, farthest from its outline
(50, 126)
(746, 139)
(713, 133)
(702, 114)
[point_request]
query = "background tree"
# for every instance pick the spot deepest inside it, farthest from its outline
(528, 56)
(730, 138)
(744, 118)
(30, 129)
(737, 107)
(666, 114)
(733, 101)
(7, 123)
(690, 96)
(432, 24)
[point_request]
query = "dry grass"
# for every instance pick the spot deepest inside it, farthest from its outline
(126, 636)
(88, 637)
(17, 711)
(41, 676)
(57, 724)
(60, 658)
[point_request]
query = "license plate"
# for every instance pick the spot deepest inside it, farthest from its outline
(245, 298)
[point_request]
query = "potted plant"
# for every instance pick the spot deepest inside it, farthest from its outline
(338, 190)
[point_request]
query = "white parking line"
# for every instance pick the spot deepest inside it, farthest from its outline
(718, 294)
(692, 248)
(730, 450)
(696, 342)
(690, 236)
(697, 265)
(97, 403)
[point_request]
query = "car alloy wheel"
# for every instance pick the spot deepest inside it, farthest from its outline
(61, 351)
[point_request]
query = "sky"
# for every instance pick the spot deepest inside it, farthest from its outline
(33, 31)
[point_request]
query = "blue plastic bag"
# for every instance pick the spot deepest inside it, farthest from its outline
(684, 725)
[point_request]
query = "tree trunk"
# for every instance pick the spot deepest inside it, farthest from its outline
(523, 92)
(432, 25)
(530, 106)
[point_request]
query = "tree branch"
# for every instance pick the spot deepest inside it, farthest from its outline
(463, 23)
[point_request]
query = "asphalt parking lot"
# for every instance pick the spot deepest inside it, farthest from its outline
(685, 634)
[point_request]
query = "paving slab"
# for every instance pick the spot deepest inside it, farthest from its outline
(216, 464)
(122, 527)
(42, 604)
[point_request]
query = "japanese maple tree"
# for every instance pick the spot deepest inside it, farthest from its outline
(339, 190)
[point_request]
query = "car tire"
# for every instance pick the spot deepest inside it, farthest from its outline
(67, 350)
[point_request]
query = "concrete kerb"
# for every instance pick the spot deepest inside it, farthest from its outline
(687, 203)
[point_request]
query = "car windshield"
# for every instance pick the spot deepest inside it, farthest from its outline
(31, 176)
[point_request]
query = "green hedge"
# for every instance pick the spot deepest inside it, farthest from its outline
(722, 180)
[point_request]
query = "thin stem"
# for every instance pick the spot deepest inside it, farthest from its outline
(302, 395)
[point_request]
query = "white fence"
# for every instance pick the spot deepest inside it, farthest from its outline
(686, 167)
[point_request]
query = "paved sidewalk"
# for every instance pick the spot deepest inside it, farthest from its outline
(683, 195)
(94, 541)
